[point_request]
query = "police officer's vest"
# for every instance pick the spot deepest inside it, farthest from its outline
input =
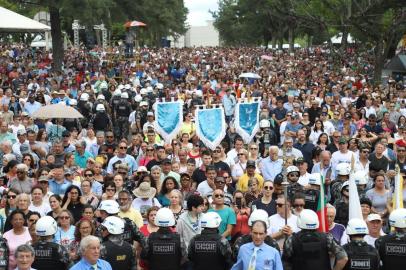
(128, 234)
(47, 256)
(294, 188)
(342, 213)
(164, 251)
(118, 256)
(361, 256)
(115, 100)
(123, 109)
(392, 251)
(311, 198)
(207, 252)
(100, 121)
(310, 251)
(4, 252)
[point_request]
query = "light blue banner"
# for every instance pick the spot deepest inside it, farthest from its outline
(211, 127)
(169, 117)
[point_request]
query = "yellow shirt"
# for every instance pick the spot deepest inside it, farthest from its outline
(242, 183)
(133, 215)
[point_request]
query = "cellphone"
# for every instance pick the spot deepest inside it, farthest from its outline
(238, 203)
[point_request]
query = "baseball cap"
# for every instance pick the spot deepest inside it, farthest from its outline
(166, 161)
(21, 132)
(372, 217)
(150, 114)
(342, 140)
(251, 163)
(43, 179)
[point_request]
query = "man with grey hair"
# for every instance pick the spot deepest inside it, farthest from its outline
(272, 165)
(90, 250)
(95, 147)
(24, 255)
(22, 183)
(81, 155)
(337, 230)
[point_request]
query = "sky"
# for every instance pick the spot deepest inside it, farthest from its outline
(199, 11)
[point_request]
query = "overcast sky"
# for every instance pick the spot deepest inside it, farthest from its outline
(199, 11)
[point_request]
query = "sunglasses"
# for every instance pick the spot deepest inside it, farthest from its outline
(11, 196)
(294, 174)
(123, 147)
(33, 220)
(268, 187)
(280, 204)
(253, 148)
(88, 175)
(216, 151)
(150, 150)
(220, 182)
(299, 205)
(241, 154)
(109, 136)
(110, 189)
(64, 217)
(367, 152)
(218, 196)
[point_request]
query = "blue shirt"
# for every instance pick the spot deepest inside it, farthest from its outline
(129, 160)
(268, 258)
(85, 265)
(59, 189)
(81, 160)
(271, 168)
(31, 108)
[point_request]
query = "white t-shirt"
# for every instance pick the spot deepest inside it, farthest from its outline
(276, 222)
(142, 205)
(204, 189)
(43, 209)
(304, 179)
(339, 157)
(328, 127)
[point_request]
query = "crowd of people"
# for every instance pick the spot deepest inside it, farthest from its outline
(107, 192)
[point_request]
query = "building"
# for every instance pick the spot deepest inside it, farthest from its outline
(198, 36)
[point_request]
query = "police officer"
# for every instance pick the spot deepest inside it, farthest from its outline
(342, 175)
(392, 247)
(257, 214)
(4, 252)
(360, 254)
(131, 232)
(123, 110)
(209, 250)
(292, 175)
(342, 205)
(266, 136)
(312, 191)
(85, 108)
(101, 120)
(115, 100)
(49, 255)
(310, 249)
(164, 250)
(114, 249)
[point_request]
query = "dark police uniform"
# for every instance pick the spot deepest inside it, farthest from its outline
(4, 252)
(118, 253)
(342, 212)
(309, 250)
(49, 255)
(85, 108)
(392, 250)
(101, 121)
(294, 188)
(164, 250)
(311, 198)
(361, 256)
(209, 250)
(123, 110)
(244, 239)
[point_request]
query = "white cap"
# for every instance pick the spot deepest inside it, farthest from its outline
(127, 86)
(372, 217)
(143, 91)
(138, 98)
(159, 86)
(143, 103)
(100, 107)
(101, 97)
(124, 95)
(73, 102)
(84, 97)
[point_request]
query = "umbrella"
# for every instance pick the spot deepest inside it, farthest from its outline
(59, 110)
(134, 24)
(266, 57)
(250, 75)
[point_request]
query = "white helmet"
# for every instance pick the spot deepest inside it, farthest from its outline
(46, 226)
(120, 86)
(292, 169)
(100, 107)
(101, 97)
(345, 184)
(264, 123)
(73, 102)
(127, 86)
(397, 218)
(258, 214)
(315, 179)
(117, 92)
(308, 220)
(124, 95)
(150, 89)
(164, 218)
(210, 220)
(356, 226)
(114, 225)
(84, 97)
(343, 169)
(360, 177)
(138, 98)
(110, 206)
(160, 86)
(143, 91)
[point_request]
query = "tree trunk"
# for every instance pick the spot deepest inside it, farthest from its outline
(344, 39)
(56, 33)
(274, 42)
(379, 61)
(291, 39)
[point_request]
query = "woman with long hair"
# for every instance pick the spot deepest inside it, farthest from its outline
(176, 205)
(150, 227)
(322, 141)
(147, 156)
(109, 191)
(242, 212)
(65, 233)
(28, 160)
(99, 172)
(87, 193)
(18, 235)
(55, 202)
(69, 163)
(185, 143)
(156, 172)
(73, 201)
(168, 185)
(84, 227)
(317, 130)
(42, 140)
(119, 182)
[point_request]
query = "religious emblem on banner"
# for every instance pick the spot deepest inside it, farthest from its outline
(168, 119)
(247, 119)
(210, 126)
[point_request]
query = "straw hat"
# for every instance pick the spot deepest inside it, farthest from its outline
(144, 191)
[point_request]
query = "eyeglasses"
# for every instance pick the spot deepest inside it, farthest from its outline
(280, 204)
(294, 174)
(88, 175)
(109, 136)
(33, 220)
(241, 154)
(27, 159)
(299, 205)
(64, 217)
(217, 151)
(110, 189)
(253, 148)
(367, 152)
(123, 147)
(11, 196)
(268, 187)
(220, 182)
(150, 150)
(218, 196)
